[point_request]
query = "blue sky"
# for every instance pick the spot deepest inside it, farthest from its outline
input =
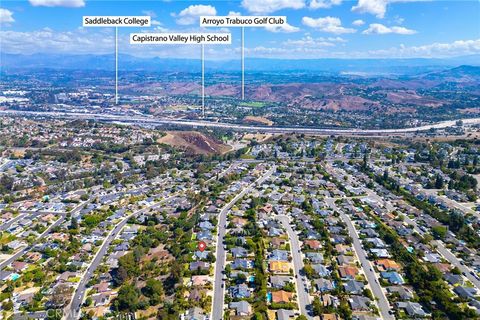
(317, 28)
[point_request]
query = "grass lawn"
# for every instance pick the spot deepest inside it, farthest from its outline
(253, 104)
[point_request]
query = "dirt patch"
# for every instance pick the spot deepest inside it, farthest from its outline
(260, 120)
(194, 142)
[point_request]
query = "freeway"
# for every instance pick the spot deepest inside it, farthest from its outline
(377, 291)
(73, 309)
(301, 281)
(219, 267)
(201, 123)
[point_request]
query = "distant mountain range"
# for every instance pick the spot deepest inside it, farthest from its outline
(11, 62)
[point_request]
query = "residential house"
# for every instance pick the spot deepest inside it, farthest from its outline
(242, 308)
(240, 291)
(313, 244)
(242, 264)
(283, 314)
(359, 303)
(354, 287)
(239, 252)
(278, 255)
(465, 292)
(321, 270)
(199, 265)
(324, 285)
(194, 313)
(387, 265)
(392, 277)
(314, 257)
(279, 267)
(413, 309)
(282, 296)
(403, 292)
(279, 282)
(347, 272)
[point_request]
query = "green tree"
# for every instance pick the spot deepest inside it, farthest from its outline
(154, 290)
(439, 232)
(439, 183)
(257, 316)
(7, 305)
(128, 297)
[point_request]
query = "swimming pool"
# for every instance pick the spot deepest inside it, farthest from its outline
(14, 276)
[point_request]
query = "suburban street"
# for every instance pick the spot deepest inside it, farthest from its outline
(28, 248)
(239, 160)
(73, 309)
(382, 302)
(467, 272)
(219, 267)
(41, 236)
(452, 203)
(448, 255)
(301, 281)
(8, 223)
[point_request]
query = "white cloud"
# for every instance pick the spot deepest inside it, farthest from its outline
(310, 48)
(377, 7)
(102, 41)
(358, 22)
(398, 19)
(6, 16)
(377, 28)
(58, 3)
(233, 13)
(286, 28)
(297, 52)
(327, 24)
(323, 4)
(49, 41)
(191, 14)
(434, 50)
(155, 23)
(150, 13)
(309, 41)
(161, 29)
(269, 6)
(336, 39)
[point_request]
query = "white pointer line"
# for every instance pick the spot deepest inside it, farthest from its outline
(203, 80)
(243, 63)
(116, 65)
